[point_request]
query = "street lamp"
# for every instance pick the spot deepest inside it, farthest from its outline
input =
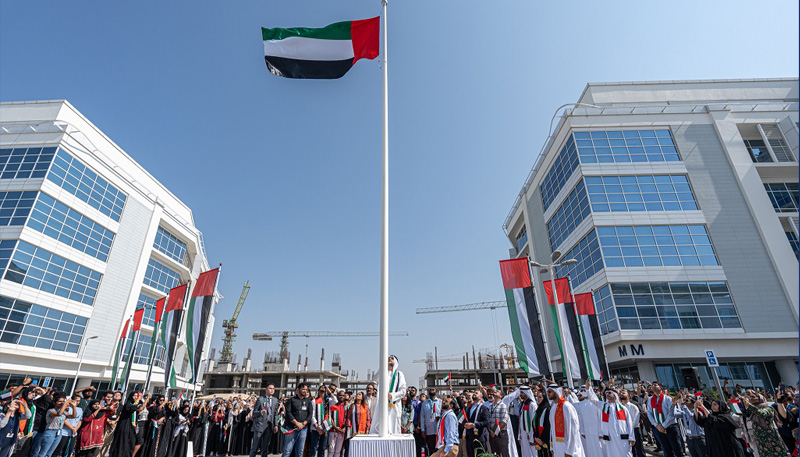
(80, 362)
(544, 269)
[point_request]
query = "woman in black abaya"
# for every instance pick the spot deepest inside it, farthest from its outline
(124, 439)
(180, 432)
(197, 433)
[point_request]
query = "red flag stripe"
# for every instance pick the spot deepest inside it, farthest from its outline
(205, 283)
(516, 274)
(584, 303)
(365, 35)
(160, 308)
(137, 319)
(176, 298)
(562, 289)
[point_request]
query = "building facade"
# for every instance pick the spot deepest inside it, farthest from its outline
(679, 200)
(87, 236)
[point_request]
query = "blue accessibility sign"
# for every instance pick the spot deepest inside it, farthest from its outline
(711, 358)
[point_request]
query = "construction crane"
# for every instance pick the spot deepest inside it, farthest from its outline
(467, 307)
(230, 325)
(284, 354)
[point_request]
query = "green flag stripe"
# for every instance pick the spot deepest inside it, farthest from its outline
(522, 357)
(337, 31)
(564, 359)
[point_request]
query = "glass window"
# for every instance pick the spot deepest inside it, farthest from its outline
(40, 269)
(658, 245)
(22, 163)
(669, 306)
(142, 353)
(792, 237)
(15, 207)
(604, 308)
(522, 238)
(21, 323)
(571, 213)
(590, 261)
(160, 277)
(170, 245)
(623, 146)
(784, 196)
(758, 151)
(640, 193)
(149, 305)
(566, 162)
(59, 221)
(81, 181)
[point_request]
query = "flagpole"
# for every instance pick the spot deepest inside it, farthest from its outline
(196, 369)
(565, 362)
(383, 382)
(129, 363)
(114, 377)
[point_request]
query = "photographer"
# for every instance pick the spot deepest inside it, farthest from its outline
(9, 425)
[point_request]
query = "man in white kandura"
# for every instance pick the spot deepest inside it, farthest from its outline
(397, 390)
(565, 433)
(616, 426)
(589, 417)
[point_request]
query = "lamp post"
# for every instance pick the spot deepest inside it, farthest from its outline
(550, 268)
(80, 362)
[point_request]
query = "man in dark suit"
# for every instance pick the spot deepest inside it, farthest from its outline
(264, 421)
(477, 421)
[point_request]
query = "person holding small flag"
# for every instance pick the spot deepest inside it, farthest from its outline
(430, 412)
(477, 421)
(662, 416)
(499, 422)
(335, 425)
(695, 435)
(541, 422)
(719, 428)
(447, 431)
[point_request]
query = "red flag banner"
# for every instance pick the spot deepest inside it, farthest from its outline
(204, 287)
(177, 295)
(516, 274)
(137, 319)
(160, 308)
(562, 289)
(125, 329)
(584, 304)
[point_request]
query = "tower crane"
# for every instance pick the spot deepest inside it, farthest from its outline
(230, 325)
(467, 307)
(284, 335)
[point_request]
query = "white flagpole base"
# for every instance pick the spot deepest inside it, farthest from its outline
(383, 446)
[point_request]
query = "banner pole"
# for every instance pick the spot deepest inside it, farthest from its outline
(383, 382)
(153, 348)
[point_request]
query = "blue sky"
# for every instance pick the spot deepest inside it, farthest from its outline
(291, 168)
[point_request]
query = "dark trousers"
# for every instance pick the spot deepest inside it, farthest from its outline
(473, 442)
(670, 441)
(638, 447)
(430, 443)
(500, 444)
(261, 440)
(697, 447)
(318, 443)
(419, 442)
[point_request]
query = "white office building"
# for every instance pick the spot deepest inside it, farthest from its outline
(679, 200)
(87, 236)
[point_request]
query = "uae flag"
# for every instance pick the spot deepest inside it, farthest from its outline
(118, 353)
(320, 53)
(199, 311)
(592, 339)
(571, 344)
(138, 315)
(170, 326)
(154, 338)
(524, 317)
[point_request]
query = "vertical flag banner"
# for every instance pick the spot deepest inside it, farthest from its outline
(592, 339)
(170, 327)
(197, 322)
(320, 53)
(154, 339)
(567, 347)
(118, 353)
(524, 317)
(138, 315)
(575, 333)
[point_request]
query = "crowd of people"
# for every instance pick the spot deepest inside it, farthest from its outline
(540, 419)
